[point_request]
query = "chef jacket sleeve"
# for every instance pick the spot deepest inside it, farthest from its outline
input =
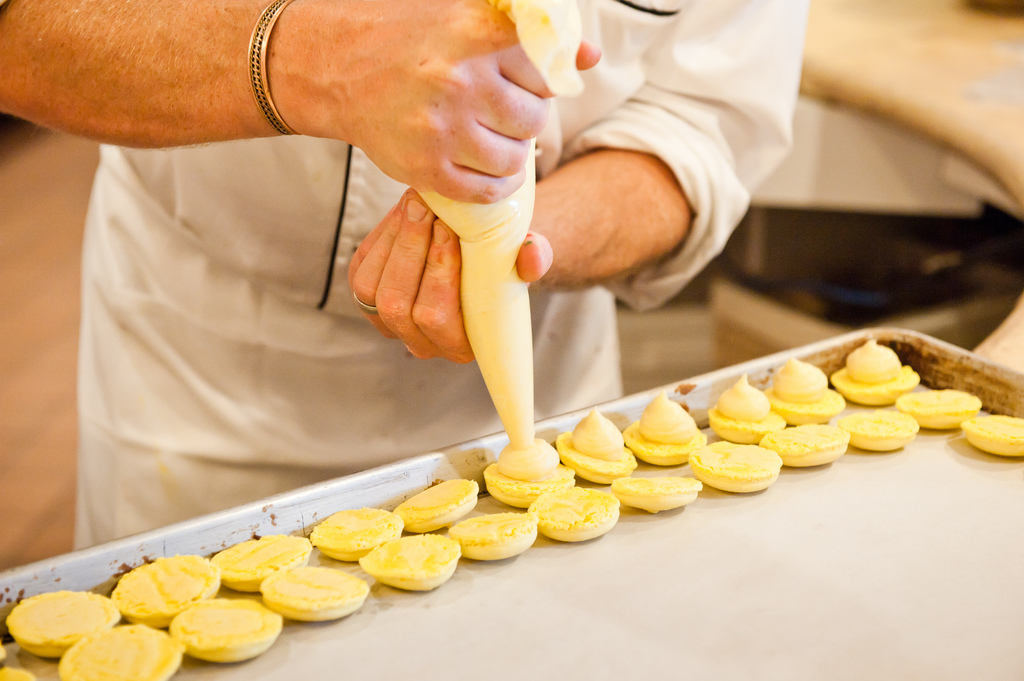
(716, 105)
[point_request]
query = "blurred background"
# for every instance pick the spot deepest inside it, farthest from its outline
(900, 205)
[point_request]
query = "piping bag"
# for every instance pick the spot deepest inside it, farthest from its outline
(495, 301)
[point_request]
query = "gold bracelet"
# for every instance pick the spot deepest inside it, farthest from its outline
(258, 65)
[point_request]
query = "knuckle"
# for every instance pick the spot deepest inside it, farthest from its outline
(429, 318)
(391, 306)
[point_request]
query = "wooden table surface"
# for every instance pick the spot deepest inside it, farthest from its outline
(924, 64)
(919, 63)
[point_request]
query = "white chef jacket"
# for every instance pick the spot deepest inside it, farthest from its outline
(222, 358)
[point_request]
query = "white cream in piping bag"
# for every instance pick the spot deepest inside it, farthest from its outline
(495, 304)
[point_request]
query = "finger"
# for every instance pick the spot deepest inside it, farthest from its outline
(400, 281)
(587, 56)
(535, 258)
(471, 186)
(364, 248)
(368, 264)
(492, 154)
(437, 311)
(517, 68)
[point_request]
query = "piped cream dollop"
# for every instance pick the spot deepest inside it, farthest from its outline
(799, 381)
(744, 402)
(873, 363)
(666, 422)
(598, 437)
(531, 464)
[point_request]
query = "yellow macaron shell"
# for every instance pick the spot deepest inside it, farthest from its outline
(881, 430)
(244, 566)
(10, 674)
(734, 467)
(1002, 435)
(350, 535)
(153, 594)
(575, 514)
(226, 630)
(808, 445)
(313, 594)
(591, 468)
(418, 563)
(438, 506)
(495, 536)
(657, 453)
(800, 413)
(799, 393)
(48, 624)
(743, 414)
(656, 494)
(939, 409)
(133, 652)
(876, 394)
(522, 493)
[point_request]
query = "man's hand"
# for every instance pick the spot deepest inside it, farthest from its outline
(409, 266)
(437, 93)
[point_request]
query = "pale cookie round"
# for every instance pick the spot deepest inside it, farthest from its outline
(808, 445)
(656, 494)
(657, 453)
(520, 493)
(875, 394)
(495, 536)
(419, 563)
(591, 468)
(11, 674)
(153, 594)
(350, 535)
(1002, 435)
(313, 594)
(226, 630)
(880, 431)
(743, 432)
(939, 409)
(133, 652)
(48, 624)
(243, 567)
(575, 514)
(801, 413)
(438, 506)
(734, 467)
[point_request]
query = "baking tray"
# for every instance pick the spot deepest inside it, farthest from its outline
(900, 565)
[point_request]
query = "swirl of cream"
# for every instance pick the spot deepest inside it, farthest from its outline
(598, 437)
(799, 381)
(531, 464)
(666, 422)
(873, 363)
(743, 402)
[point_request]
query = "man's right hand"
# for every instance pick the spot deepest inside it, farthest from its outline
(437, 93)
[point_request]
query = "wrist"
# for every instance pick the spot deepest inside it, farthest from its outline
(299, 68)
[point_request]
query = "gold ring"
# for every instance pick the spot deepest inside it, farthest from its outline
(366, 308)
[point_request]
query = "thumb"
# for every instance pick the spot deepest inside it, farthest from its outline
(535, 258)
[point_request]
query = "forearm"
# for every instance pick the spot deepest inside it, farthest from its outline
(608, 213)
(154, 73)
(1006, 344)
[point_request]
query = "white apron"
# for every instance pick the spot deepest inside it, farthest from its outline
(222, 357)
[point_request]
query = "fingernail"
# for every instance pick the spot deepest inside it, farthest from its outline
(548, 258)
(441, 235)
(414, 210)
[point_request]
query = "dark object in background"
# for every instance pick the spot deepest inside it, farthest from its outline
(853, 269)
